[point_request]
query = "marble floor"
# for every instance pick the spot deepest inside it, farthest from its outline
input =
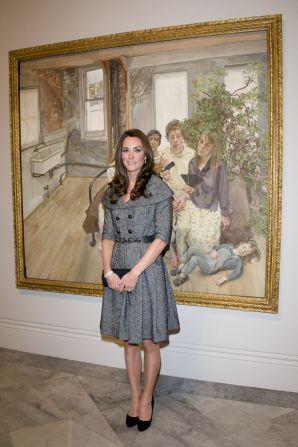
(50, 402)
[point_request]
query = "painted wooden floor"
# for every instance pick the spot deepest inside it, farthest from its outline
(57, 248)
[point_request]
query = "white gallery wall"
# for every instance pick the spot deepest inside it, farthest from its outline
(236, 347)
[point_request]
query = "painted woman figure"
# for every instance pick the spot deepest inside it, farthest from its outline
(139, 307)
(208, 194)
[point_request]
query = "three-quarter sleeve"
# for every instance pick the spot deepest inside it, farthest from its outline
(163, 219)
(223, 191)
(108, 231)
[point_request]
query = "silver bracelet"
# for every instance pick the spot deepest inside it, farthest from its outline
(108, 274)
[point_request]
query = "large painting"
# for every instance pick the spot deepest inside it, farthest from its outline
(209, 91)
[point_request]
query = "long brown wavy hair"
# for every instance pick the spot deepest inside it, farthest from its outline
(119, 184)
(213, 139)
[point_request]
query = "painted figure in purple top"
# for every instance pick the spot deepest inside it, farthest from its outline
(207, 194)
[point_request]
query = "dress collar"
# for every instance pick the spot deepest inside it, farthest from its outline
(156, 189)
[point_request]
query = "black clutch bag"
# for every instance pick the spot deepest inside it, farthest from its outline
(119, 272)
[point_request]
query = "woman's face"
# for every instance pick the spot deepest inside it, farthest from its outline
(204, 148)
(133, 154)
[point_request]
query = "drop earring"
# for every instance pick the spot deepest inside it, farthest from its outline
(145, 161)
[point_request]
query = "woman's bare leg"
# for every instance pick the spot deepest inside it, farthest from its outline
(133, 362)
(151, 370)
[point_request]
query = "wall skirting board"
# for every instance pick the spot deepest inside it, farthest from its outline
(209, 363)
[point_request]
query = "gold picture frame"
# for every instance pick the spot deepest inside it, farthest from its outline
(232, 43)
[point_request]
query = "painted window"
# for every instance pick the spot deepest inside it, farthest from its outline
(29, 114)
(235, 79)
(93, 103)
(171, 98)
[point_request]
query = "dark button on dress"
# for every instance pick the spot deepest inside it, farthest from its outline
(149, 311)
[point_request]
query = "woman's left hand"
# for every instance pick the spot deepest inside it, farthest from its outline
(128, 281)
(188, 189)
(225, 222)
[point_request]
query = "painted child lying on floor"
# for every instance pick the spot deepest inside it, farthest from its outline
(222, 257)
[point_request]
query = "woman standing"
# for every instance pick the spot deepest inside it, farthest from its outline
(138, 308)
(209, 205)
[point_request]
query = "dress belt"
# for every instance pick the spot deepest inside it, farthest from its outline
(123, 240)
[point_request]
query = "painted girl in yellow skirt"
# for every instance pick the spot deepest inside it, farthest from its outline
(208, 194)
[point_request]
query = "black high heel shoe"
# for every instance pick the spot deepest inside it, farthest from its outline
(143, 425)
(131, 421)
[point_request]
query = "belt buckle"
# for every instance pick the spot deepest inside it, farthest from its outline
(133, 239)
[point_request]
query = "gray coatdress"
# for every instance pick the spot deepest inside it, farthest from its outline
(149, 311)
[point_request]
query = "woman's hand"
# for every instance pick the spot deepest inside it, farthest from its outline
(188, 189)
(128, 281)
(225, 222)
(114, 282)
(213, 254)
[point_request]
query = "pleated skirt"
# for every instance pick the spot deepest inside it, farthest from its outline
(149, 312)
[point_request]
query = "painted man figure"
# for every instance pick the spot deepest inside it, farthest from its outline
(180, 154)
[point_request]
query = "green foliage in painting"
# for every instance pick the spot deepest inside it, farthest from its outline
(238, 118)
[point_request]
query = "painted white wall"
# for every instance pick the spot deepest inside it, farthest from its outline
(236, 347)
